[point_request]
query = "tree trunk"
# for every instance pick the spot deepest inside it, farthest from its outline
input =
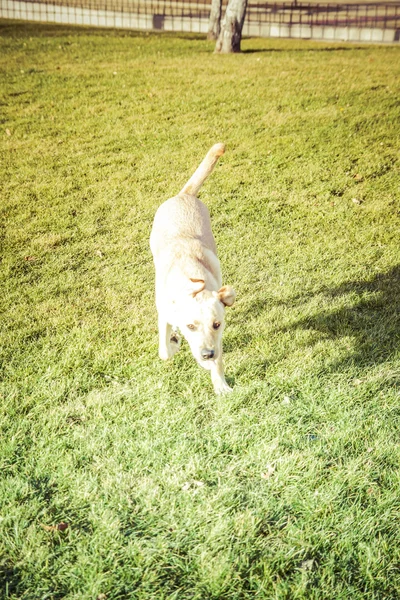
(214, 25)
(232, 25)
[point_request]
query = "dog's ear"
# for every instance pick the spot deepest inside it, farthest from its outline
(227, 295)
(196, 286)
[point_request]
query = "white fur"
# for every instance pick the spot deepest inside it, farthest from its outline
(189, 288)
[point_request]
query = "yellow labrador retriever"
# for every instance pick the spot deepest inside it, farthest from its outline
(189, 293)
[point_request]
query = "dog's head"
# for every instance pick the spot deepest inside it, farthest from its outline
(200, 318)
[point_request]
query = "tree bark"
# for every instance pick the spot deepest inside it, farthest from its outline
(231, 29)
(214, 25)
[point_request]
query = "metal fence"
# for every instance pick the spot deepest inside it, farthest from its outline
(378, 21)
(369, 22)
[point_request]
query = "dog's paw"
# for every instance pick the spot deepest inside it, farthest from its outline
(175, 343)
(164, 354)
(175, 339)
(222, 388)
(168, 352)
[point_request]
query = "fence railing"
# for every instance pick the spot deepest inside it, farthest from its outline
(377, 21)
(372, 21)
(359, 15)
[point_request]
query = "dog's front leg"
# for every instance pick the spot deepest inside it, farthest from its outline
(164, 335)
(166, 349)
(218, 378)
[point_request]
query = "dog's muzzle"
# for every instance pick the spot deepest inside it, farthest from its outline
(207, 354)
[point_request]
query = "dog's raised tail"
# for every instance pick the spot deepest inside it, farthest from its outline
(203, 171)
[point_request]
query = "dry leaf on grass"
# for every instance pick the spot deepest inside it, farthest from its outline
(307, 565)
(60, 527)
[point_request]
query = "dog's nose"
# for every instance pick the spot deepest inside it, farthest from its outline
(207, 354)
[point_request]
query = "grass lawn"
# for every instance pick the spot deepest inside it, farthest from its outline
(289, 487)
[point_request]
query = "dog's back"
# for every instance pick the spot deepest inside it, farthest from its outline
(181, 219)
(185, 217)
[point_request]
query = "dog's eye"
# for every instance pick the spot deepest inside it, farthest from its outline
(216, 325)
(192, 327)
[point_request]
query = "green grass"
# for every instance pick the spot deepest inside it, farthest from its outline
(289, 487)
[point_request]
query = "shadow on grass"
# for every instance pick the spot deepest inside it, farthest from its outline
(27, 29)
(10, 577)
(372, 318)
(306, 49)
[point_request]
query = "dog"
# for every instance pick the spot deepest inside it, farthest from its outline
(190, 298)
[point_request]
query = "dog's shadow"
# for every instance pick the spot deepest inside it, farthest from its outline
(370, 318)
